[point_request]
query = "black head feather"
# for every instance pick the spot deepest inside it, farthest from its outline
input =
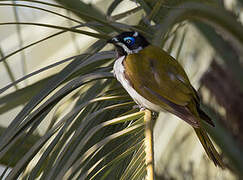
(129, 42)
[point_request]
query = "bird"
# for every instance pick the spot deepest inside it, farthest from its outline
(156, 81)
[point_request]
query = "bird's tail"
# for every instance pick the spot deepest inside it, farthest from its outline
(209, 147)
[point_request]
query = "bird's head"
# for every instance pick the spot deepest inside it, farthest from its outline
(129, 43)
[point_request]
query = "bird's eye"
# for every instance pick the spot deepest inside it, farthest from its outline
(129, 40)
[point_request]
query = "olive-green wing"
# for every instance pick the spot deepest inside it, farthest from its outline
(157, 71)
(159, 78)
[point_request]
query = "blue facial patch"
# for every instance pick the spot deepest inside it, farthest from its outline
(129, 40)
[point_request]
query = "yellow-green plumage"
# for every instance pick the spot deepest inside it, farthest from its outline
(154, 70)
(160, 79)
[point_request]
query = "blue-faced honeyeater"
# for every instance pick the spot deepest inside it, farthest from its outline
(156, 81)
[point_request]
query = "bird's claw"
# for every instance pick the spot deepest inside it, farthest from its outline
(139, 107)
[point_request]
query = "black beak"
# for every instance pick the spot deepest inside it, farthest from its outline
(110, 41)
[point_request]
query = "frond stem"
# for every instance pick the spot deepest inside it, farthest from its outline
(149, 151)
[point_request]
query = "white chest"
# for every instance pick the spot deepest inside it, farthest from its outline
(120, 76)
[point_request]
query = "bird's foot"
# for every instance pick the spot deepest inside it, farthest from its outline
(139, 107)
